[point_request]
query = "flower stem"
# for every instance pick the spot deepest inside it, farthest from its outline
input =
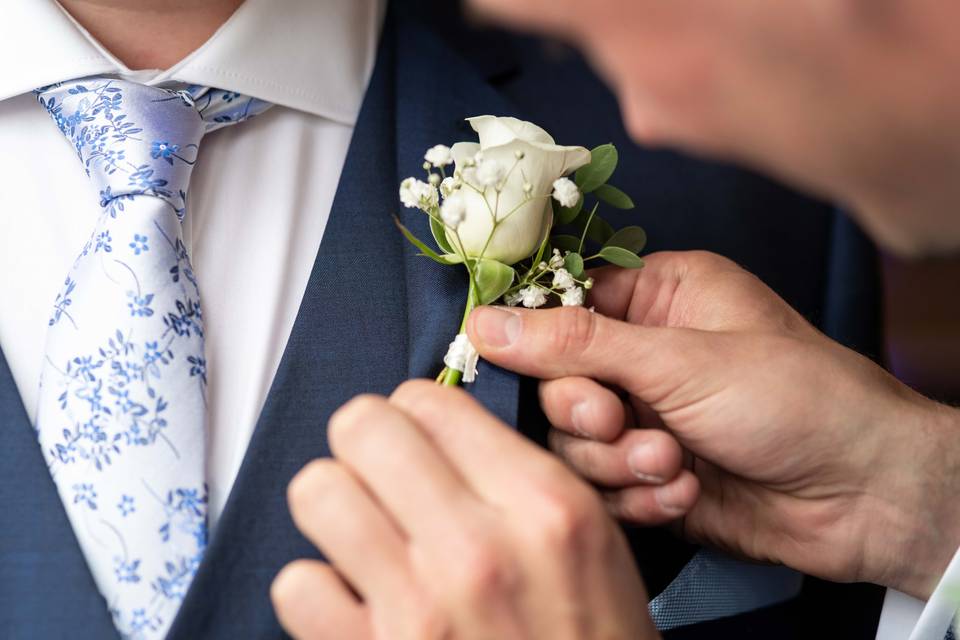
(450, 377)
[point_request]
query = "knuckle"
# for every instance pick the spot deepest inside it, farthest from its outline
(569, 520)
(573, 334)
(482, 572)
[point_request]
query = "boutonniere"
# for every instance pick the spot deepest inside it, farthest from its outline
(509, 214)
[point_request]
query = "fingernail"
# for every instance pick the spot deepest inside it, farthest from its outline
(668, 499)
(497, 327)
(639, 459)
(578, 418)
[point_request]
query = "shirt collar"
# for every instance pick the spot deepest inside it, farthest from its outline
(311, 55)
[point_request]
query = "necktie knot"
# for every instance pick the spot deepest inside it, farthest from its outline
(138, 140)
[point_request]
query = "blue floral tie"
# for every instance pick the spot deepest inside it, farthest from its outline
(122, 409)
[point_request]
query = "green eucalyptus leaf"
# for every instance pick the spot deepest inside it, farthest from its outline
(493, 279)
(633, 239)
(573, 262)
(613, 197)
(603, 161)
(440, 235)
(424, 249)
(565, 242)
(621, 257)
(566, 215)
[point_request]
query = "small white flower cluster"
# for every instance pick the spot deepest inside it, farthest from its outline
(417, 194)
(565, 192)
(563, 284)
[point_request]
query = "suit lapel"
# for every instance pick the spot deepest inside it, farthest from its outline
(373, 314)
(438, 91)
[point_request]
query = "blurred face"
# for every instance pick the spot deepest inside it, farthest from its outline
(858, 100)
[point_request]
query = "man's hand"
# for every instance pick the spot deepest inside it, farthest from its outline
(807, 453)
(440, 522)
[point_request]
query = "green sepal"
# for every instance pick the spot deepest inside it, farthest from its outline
(613, 197)
(424, 249)
(633, 239)
(493, 279)
(440, 235)
(603, 161)
(621, 257)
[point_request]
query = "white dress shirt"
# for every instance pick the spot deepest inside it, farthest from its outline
(259, 198)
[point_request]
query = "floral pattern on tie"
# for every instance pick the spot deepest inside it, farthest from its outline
(122, 402)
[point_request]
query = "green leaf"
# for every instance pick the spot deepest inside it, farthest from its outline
(566, 215)
(452, 258)
(440, 235)
(600, 230)
(565, 243)
(621, 257)
(633, 239)
(424, 249)
(573, 263)
(493, 279)
(613, 197)
(603, 160)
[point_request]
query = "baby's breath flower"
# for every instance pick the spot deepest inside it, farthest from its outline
(533, 297)
(439, 156)
(556, 260)
(519, 154)
(417, 194)
(453, 210)
(565, 192)
(588, 283)
(513, 299)
(434, 179)
(527, 188)
(489, 173)
(572, 297)
(563, 280)
(448, 186)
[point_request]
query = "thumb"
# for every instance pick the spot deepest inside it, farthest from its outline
(571, 341)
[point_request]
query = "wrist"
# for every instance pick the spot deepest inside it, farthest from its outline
(913, 529)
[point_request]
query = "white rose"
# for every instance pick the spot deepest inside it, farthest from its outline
(505, 142)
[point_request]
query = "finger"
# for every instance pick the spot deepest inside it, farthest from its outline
(571, 341)
(494, 459)
(332, 509)
(313, 603)
(400, 466)
(655, 505)
(639, 456)
(583, 407)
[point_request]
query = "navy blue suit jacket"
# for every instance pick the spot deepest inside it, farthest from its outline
(345, 342)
